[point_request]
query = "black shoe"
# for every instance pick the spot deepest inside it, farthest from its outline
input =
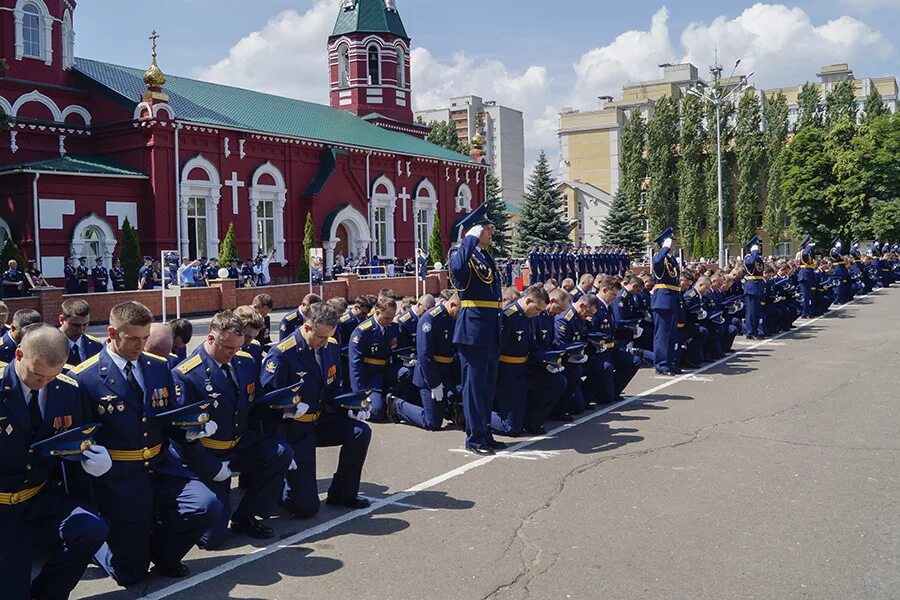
(251, 527)
(665, 373)
(750, 337)
(174, 572)
(355, 502)
(562, 418)
(691, 364)
(479, 450)
(391, 408)
(539, 430)
(498, 445)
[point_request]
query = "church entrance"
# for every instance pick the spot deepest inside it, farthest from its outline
(343, 244)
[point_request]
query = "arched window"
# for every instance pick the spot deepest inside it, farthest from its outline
(68, 41)
(5, 233)
(384, 202)
(93, 237)
(197, 225)
(374, 65)
(31, 31)
(344, 65)
(201, 192)
(268, 196)
(426, 207)
(464, 198)
(401, 67)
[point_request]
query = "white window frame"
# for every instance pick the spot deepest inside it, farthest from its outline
(425, 200)
(377, 48)
(197, 250)
(401, 67)
(68, 40)
(344, 65)
(108, 242)
(384, 195)
(277, 195)
(45, 31)
(464, 198)
(211, 191)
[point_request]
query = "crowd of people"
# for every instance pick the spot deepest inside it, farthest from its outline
(123, 449)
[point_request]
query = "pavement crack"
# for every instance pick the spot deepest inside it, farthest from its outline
(812, 445)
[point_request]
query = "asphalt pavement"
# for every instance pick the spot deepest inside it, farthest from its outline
(772, 474)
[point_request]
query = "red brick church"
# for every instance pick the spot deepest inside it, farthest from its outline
(90, 144)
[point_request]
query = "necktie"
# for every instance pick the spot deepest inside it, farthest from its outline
(74, 355)
(319, 360)
(227, 370)
(133, 382)
(34, 411)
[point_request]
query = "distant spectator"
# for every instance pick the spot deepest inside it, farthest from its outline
(13, 281)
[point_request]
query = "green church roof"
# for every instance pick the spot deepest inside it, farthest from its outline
(225, 106)
(368, 16)
(76, 165)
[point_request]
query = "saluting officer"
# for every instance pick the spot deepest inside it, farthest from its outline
(310, 358)
(665, 303)
(370, 356)
(807, 275)
(156, 507)
(219, 371)
(754, 290)
(37, 402)
(477, 334)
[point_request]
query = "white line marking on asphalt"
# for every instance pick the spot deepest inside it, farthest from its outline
(522, 455)
(752, 343)
(404, 504)
(687, 377)
(259, 553)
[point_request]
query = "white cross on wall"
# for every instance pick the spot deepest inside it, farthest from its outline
(234, 184)
(404, 196)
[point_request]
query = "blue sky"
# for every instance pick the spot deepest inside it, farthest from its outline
(523, 53)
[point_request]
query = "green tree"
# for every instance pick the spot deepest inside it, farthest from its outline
(662, 199)
(622, 227)
(874, 107)
(886, 220)
(776, 115)
(130, 255)
(633, 164)
(691, 174)
(443, 133)
(436, 242)
(840, 102)
(850, 192)
(309, 243)
(228, 247)
(10, 252)
(496, 212)
(542, 217)
(809, 101)
(805, 181)
(750, 159)
(726, 115)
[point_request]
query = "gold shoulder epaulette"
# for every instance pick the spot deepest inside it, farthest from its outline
(255, 343)
(67, 379)
(569, 315)
(243, 354)
(404, 317)
(366, 325)
(291, 316)
(189, 364)
(510, 310)
(287, 344)
(84, 365)
(96, 339)
(436, 311)
(344, 318)
(156, 356)
(332, 340)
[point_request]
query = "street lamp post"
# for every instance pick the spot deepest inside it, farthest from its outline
(716, 96)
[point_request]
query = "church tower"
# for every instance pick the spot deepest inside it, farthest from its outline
(368, 57)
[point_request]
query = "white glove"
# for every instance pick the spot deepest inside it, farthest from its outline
(667, 243)
(629, 346)
(638, 331)
(577, 360)
(702, 314)
(648, 316)
(838, 245)
(438, 393)
(359, 415)
(413, 362)
(754, 248)
(298, 411)
(209, 429)
(97, 461)
(476, 231)
(811, 244)
(293, 465)
(224, 473)
(554, 369)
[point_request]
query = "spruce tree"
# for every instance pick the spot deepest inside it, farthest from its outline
(874, 106)
(750, 156)
(809, 101)
(228, 248)
(436, 242)
(840, 102)
(496, 212)
(691, 174)
(633, 165)
(308, 244)
(622, 227)
(130, 255)
(542, 216)
(776, 115)
(662, 137)
(10, 252)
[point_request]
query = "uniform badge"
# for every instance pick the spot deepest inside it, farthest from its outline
(101, 410)
(251, 388)
(271, 366)
(8, 430)
(426, 327)
(121, 407)
(214, 395)
(355, 339)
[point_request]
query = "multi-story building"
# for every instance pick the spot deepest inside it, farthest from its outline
(504, 132)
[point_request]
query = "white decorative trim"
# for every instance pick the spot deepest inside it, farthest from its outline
(268, 193)
(358, 233)
(6, 106)
(464, 198)
(68, 40)
(62, 145)
(74, 109)
(108, 238)
(53, 211)
(13, 141)
(5, 233)
(36, 96)
(226, 149)
(386, 200)
(211, 191)
(163, 106)
(46, 20)
(140, 108)
(241, 152)
(122, 211)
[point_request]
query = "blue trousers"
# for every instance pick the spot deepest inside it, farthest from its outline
(428, 416)
(51, 522)
(664, 339)
(525, 397)
(263, 464)
(806, 292)
(478, 366)
(572, 400)
(185, 509)
(753, 315)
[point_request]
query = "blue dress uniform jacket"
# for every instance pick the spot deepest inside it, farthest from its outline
(346, 324)
(88, 346)
(13, 276)
(290, 362)
(370, 362)
(665, 301)
(256, 351)
(7, 348)
(83, 273)
(806, 278)
(477, 335)
(239, 438)
(71, 275)
(570, 328)
(34, 508)
(290, 323)
(117, 274)
(101, 278)
(407, 324)
(616, 360)
(156, 508)
(754, 291)
(543, 337)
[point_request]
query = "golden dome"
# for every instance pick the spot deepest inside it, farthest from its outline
(154, 77)
(478, 140)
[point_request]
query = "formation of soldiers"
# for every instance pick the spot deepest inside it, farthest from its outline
(123, 450)
(562, 261)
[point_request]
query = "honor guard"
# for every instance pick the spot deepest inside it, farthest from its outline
(83, 272)
(38, 406)
(310, 359)
(370, 356)
(117, 275)
(477, 333)
(754, 290)
(665, 302)
(100, 275)
(75, 317)
(70, 272)
(156, 507)
(219, 372)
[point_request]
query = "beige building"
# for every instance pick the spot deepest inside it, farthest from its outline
(590, 141)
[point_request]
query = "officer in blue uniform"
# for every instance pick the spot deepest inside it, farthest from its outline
(83, 272)
(37, 402)
(100, 275)
(571, 328)
(408, 322)
(696, 334)
(13, 281)
(371, 359)
(806, 278)
(623, 364)
(477, 334)
(145, 275)
(527, 390)
(842, 292)
(219, 371)
(310, 359)
(435, 375)
(117, 276)
(234, 271)
(75, 317)
(665, 302)
(156, 507)
(70, 272)
(10, 341)
(754, 290)
(294, 319)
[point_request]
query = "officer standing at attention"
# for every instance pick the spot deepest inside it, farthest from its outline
(83, 272)
(477, 334)
(842, 291)
(145, 274)
(157, 509)
(807, 276)
(117, 274)
(37, 403)
(310, 358)
(100, 275)
(218, 370)
(754, 290)
(71, 274)
(664, 303)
